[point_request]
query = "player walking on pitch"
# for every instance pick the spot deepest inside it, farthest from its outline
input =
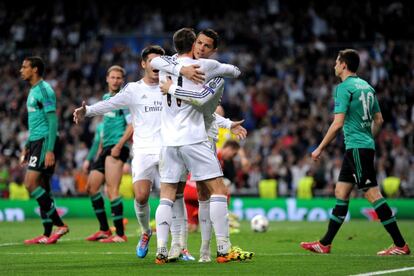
(358, 113)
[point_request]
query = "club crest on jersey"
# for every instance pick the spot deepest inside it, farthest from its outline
(212, 85)
(210, 88)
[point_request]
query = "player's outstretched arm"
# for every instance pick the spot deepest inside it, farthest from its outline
(120, 101)
(194, 97)
(79, 113)
(235, 126)
(238, 130)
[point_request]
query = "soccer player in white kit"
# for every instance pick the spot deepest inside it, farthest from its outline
(206, 100)
(186, 146)
(144, 100)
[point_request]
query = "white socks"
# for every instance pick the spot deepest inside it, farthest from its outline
(219, 218)
(179, 229)
(163, 218)
(143, 216)
(205, 224)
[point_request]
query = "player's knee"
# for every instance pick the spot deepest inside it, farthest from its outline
(219, 190)
(202, 196)
(141, 198)
(372, 194)
(112, 193)
(92, 188)
(341, 193)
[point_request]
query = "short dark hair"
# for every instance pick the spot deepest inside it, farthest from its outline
(183, 40)
(351, 58)
(37, 62)
(211, 34)
(151, 49)
(232, 144)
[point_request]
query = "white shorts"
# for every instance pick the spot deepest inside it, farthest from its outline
(199, 159)
(145, 166)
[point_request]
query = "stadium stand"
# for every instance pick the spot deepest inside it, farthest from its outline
(284, 48)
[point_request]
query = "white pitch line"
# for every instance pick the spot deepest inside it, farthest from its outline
(381, 272)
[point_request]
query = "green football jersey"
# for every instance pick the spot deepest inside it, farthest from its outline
(357, 99)
(40, 101)
(114, 124)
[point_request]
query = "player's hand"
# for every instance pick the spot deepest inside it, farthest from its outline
(116, 151)
(85, 166)
(165, 86)
(23, 157)
(316, 154)
(192, 73)
(79, 113)
(49, 159)
(238, 130)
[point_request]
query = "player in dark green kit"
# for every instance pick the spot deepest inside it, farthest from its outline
(39, 150)
(107, 168)
(94, 148)
(358, 113)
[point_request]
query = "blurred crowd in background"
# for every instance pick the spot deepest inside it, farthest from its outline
(286, 50)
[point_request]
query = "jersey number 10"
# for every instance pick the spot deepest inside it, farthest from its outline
(367, 101)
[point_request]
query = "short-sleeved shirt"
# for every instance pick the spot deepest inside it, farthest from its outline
(40, 101)
(357, 99)
(114, 124)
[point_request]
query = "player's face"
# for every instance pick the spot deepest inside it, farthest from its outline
(26, 71)
(149, 71)
(339, 67)
(203, 47)
(114, 80)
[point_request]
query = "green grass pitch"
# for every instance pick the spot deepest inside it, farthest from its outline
(277, 251)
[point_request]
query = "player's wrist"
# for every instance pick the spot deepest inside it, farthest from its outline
(172, 89)
(179, 69)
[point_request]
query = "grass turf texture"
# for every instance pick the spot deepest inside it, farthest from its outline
(277, 251)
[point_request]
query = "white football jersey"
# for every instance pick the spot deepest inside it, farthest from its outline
(145, 104)
(205, 100)
(181, 122)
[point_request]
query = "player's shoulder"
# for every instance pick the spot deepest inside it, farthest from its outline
(43, 90)
(106, 96)
(206, 61)
(132, 85)
(357, 83)
(44, 86)
(169, 59)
